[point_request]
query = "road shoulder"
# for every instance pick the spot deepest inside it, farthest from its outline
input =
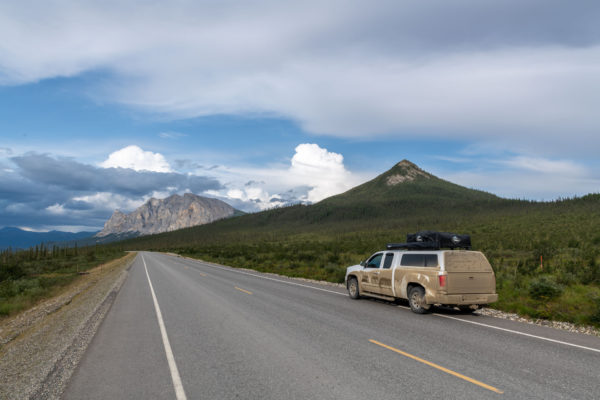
(42, 346)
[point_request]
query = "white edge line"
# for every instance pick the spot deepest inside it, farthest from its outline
(265, 277)
(520, 333)
(179, 392)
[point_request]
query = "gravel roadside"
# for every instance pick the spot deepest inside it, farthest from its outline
(40, 348)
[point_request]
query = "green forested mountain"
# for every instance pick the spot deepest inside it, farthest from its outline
(546, 254)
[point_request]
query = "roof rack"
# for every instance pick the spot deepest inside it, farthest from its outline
(432, 240)
(412, 246)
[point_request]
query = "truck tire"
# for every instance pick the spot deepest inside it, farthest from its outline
(416, 300)
(353, 289)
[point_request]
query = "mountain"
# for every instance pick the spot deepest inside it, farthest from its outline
(405, 193)
(409, 189)
(406, 179)
(19, 239)
(174, 212)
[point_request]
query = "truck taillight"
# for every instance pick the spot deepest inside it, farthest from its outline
(442, 279)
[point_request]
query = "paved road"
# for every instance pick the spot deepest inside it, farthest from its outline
(233, 334)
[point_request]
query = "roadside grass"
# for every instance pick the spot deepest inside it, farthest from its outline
(28, 279)
(578, 303)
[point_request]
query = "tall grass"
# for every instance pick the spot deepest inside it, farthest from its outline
(26, 276)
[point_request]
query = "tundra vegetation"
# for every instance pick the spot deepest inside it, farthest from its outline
(27, 276)
(546, 255)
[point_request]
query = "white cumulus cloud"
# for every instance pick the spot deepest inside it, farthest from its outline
(133, 157)
(313, 174)
(320, 169)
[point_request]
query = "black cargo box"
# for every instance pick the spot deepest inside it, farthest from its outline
(428, 240)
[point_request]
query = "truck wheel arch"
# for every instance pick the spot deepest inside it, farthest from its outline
(410, 285)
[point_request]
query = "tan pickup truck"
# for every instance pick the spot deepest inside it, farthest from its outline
(460, 278)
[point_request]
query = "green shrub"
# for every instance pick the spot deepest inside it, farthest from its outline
(595, 317)
(6, 308)
(544, 288)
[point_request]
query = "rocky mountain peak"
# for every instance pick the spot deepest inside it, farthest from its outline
(405, 171)
(174, 212)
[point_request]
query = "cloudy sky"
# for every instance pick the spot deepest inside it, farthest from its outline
(106, 104)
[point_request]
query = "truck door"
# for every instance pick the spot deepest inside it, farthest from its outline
(370, 275)
(385, 275)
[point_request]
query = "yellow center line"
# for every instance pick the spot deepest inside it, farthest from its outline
(242, 290)
(446, 370)
(200, 273)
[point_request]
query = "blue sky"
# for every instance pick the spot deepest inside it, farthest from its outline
(104, 105)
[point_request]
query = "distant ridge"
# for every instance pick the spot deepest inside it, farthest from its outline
(16, 238)
(174, 212)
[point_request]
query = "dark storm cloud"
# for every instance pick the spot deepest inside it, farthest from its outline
(71, 175)
(30, 216)
(40, 191)
(432, 26)
(78, 205)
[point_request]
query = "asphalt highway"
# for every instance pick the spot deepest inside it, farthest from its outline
(186, 329)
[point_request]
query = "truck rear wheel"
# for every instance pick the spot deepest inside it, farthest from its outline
(353, 290)
(416, 300)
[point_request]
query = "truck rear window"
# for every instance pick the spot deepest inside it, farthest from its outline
(466, 261)
(419, 260)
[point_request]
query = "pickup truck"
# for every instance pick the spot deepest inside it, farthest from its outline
(460, 278)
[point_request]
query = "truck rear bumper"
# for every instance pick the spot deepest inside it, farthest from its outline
(460, 299)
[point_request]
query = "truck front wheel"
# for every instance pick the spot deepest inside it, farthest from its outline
(353, 290)
(416, 300)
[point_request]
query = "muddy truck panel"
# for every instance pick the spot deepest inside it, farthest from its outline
(461, 278)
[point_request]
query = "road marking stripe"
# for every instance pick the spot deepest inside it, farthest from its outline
(446, 370)
(519, 333)
(266, 277)
(179, 392)
(242, 290)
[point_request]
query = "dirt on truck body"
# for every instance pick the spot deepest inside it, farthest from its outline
(460, 278)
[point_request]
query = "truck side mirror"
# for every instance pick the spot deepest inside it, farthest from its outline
(363, 263)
